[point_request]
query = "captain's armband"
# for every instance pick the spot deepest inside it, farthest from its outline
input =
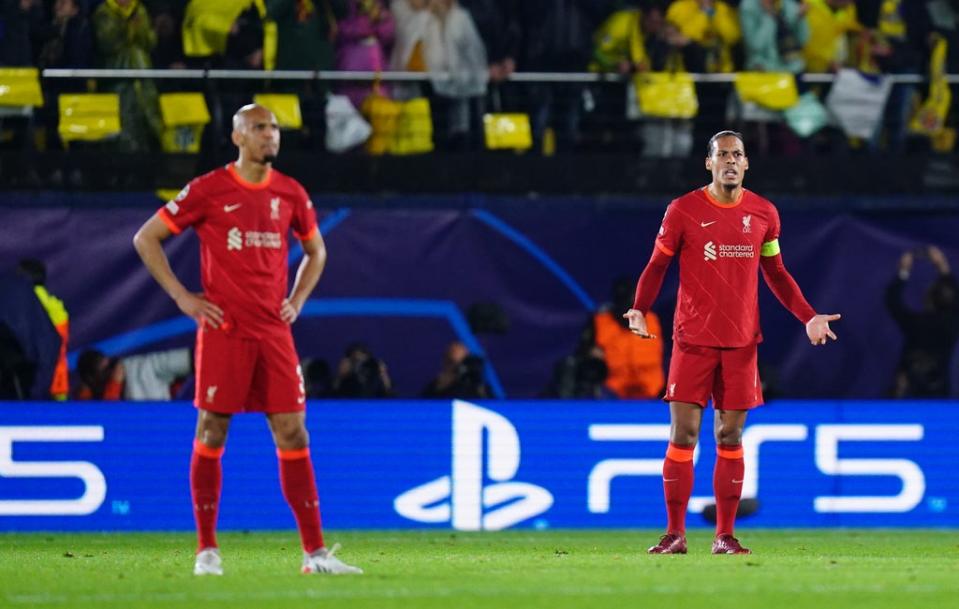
(770, 248)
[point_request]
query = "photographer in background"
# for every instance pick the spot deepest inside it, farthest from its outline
(361, 374)
(929, 334)
(582, 374)
(148, 376)
(608, 362)
(461, 376)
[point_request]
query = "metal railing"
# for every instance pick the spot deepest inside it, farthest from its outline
(332, 75)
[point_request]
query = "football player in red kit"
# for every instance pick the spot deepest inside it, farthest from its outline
(722, 235)
(245, 357)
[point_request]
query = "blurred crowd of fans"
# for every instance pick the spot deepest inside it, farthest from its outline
(469, 48)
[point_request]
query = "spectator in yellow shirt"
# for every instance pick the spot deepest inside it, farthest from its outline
(631, 40)
(830, 24)
(712, 27)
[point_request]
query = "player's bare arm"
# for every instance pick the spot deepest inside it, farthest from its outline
(148, 242)
(637, 323)
(817, 328)
(307, 276)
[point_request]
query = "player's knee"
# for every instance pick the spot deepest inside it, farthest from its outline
(684, 435)
(292, 438)
(729, 436)
(211, 431)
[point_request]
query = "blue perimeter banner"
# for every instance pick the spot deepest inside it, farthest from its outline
(477, 466)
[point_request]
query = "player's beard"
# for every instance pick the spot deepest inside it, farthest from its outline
(730, 186)
(268, 158)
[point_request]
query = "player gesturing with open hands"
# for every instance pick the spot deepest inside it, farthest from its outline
(723, 236)
(817, 328)
(637, 323)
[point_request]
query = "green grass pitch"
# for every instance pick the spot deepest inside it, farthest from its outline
(790, 569)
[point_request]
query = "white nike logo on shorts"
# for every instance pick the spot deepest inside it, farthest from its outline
(670, 479)
(737, 481)
(229, 208)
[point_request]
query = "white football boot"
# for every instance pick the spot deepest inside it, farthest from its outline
(324, 561)
(208, 562)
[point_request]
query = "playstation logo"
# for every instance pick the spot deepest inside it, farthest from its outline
(485, 448)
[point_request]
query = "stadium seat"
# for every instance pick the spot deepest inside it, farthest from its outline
(399, 127)
(665, 94)
(762, 96)
(414, 128)
(89, 117)
(19, 91)
(507, 131)
(383, 115)
(184, 117)
(286, 107)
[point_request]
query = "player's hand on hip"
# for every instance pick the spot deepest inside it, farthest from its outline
(637, 323)
(288, 312)
(817, 328)
(200, 309)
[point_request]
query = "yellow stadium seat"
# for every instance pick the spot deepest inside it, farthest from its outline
(19, 91)
(286, 107)
(383, 114)
(507, 131)
(666, 94)
(414, 128)
(184, 117)
(399, 127)
(771, 90)
(89, 116)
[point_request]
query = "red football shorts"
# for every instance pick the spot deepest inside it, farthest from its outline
(729, 376)
(235, 375)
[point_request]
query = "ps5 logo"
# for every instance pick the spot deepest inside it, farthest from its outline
(95, 484)
(485, 447)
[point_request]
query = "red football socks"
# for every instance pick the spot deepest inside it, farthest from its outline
(727, 486)
(299, 488)
(677, 485)
(206, 479)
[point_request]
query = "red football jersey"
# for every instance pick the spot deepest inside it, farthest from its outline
(243, 230)
(719, 246)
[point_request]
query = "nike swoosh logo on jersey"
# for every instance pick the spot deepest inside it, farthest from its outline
(705, 224)
(229, 208)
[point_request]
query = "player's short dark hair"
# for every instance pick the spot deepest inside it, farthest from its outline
(724, 133)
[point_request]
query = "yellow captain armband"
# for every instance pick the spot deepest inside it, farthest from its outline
(770, 248)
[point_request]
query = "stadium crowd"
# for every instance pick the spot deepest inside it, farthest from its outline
(468, 49)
